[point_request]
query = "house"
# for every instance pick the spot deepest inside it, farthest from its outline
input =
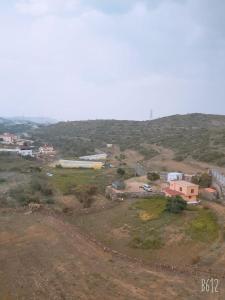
(188, 191)
(8, 138)
(25, 151)
(47, 150)
(174, 176)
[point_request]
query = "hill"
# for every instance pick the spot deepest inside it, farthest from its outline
(199, 136)
(16, 126)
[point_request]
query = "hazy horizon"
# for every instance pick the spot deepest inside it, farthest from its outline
(83, 59)
(53, 120)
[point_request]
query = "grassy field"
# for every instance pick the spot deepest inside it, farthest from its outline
(66, 179)
(204, 227)
(143, 229)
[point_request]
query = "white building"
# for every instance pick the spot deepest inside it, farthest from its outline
(26, 151)
(174, 176)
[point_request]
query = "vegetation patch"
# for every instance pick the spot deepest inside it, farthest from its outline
(204, 227)
(66, 180)
(151, 208)
(152, 242)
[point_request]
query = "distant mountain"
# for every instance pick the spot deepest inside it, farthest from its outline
(16, 126)
(199, 136)
(37, 120)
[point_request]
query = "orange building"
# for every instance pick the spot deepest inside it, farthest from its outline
(187, 190)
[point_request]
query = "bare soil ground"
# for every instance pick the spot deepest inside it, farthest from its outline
(43, 257)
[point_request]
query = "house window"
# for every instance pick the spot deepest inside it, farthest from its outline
(192, 191)
(181, 189)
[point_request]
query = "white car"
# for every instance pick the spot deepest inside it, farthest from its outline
(147, 188)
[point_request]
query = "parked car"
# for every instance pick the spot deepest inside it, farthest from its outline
(147, 188)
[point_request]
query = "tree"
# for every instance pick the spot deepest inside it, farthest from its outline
(121, 171)
(152, 176)
(175, 205)
(85, 194)
(204, 180)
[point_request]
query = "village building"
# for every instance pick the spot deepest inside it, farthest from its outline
(47, 150)
(25, 151)
(188, 191)
(174, 176)
(8, 138)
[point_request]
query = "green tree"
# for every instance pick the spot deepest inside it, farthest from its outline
(204, 180)
(175, 205)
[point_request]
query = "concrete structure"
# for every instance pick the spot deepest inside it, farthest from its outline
(76, 164)
(95, 157)
(8, 138)
(118, 185)
(174, 176)
(115, 194)
(26, 151)
(188, 191)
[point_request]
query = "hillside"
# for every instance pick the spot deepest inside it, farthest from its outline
(16, 126)
(199, 136)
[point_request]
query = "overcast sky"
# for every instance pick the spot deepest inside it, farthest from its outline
(92, 59)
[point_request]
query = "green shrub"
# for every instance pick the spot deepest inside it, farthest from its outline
(175, 205)
(152, 176)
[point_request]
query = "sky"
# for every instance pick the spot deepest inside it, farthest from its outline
(117, 59)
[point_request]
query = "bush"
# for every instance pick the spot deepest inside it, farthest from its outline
(121, 171)
(153, 242)
(152, 176)
(175, 205)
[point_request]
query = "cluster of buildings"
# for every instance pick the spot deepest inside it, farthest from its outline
(23, 147)
(179, 184)
(172, 185)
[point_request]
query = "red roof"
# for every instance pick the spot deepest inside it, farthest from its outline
(173, 193)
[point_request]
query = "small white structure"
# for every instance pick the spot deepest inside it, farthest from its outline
(95, 157)
(109, 145)
(26, 151)
(174, 176)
